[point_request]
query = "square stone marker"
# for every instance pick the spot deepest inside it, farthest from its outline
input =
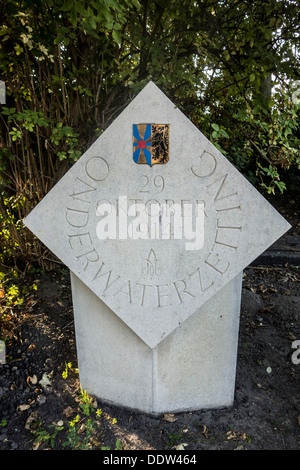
(157, 226)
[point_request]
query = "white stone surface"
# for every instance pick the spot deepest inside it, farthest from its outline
(193, 368)
(155, 285)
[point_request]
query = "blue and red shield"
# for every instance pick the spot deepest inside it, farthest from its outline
(151, 143)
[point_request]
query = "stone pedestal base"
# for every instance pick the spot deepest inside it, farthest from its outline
(193, 368)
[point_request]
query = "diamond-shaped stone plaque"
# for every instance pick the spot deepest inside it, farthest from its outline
(155, 242)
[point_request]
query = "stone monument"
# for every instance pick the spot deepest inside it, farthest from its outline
(156, 227)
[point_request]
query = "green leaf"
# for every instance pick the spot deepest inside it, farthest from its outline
(116, 36)
(252, 77)
(118, 445)
(136, 3)
(8, 111)
(227, 56)
(224, 133)
(215, 127)
(92, 22)
(80, 9)
(73, 17)
(67, 6)
(108, 16)
(61, 155)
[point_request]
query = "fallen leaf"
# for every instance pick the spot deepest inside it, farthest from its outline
(41, 400)
(180, 446)
(82, 428)
(68, 411)
(237, 436)
(169, 417)
(204, 431)
(31, 419)
(31, 380)
(231, 435)
(23, 407)
(45, 382)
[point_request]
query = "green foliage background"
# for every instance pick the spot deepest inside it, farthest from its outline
(70, 67)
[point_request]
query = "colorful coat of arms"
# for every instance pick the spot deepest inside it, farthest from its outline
(151, 143)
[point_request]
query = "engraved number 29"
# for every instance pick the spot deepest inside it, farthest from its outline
(157, 183)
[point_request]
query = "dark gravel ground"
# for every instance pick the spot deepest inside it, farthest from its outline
(40, 409)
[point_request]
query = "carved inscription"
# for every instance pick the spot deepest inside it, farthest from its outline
(146, 291)
(157, 183)
(224, 202)
(151, 267)
(78, 211)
